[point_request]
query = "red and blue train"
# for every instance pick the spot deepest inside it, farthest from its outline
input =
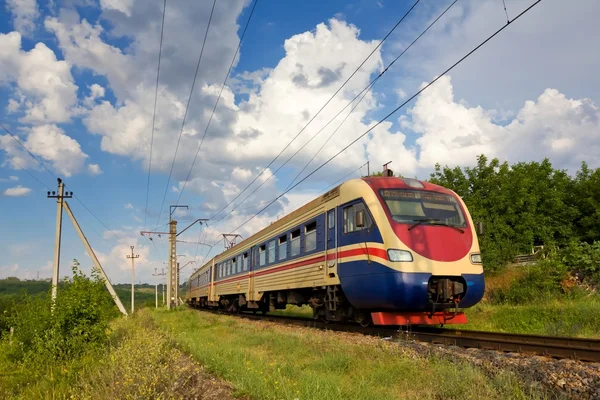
(381, 250)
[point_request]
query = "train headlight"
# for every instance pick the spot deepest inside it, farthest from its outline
(399, 255)
(476, 258)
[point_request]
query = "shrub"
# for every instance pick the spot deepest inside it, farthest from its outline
(78, 322)
(539, 282)
(583, 259)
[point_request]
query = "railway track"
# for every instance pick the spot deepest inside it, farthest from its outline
(549, 346)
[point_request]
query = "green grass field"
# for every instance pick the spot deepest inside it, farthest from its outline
(559, 317)
(270, 361)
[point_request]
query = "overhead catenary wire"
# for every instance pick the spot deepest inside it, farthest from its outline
(362, 93)
(324, 189)
(368, 89)
(318, 112)
(394, 111)
(217, 101)
(162, 27)
(186, 111)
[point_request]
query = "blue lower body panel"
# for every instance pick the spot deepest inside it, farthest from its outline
(374, 286)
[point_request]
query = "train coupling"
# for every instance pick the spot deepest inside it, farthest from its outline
(446, 291)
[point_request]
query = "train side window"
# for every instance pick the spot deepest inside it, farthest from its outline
(238, 264)
(271, 251)
(295, 242)
(350, 218)
(261, 255)
(245, 262)
(310, 236)
(283, 247)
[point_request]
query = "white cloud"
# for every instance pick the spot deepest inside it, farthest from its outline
(565, 130)
(534, 53)
(94, 169)
(24, 13)
(123, 6)
(96, 92)
(11, 178)
(17, 191)
(45, 87)
(50, 143)
(129, 206)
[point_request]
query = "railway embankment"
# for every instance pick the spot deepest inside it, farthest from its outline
(265, 360)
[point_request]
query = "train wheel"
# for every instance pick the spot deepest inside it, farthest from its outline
(364, 319)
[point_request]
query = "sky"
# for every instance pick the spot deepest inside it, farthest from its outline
(78, 83)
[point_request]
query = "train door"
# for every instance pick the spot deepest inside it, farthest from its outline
(251, 295)
(331, 241)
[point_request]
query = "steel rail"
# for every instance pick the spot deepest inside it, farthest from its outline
(550, 346)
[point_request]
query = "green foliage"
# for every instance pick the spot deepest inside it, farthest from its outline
(540, 282)
(79, 321)
(564, 316)
(525, 204)
(583, 259)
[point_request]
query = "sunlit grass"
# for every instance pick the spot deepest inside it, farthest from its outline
(271, 361)
(566, 317)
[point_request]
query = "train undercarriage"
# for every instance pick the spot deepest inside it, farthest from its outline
(330, 304)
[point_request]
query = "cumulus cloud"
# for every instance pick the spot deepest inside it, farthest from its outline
(17, 191)
(94, 169)
(51, 144)
(123, 6)
(45, 88)
(24, 14)
(450, 132)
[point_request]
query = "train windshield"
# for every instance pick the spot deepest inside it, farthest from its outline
(410, 206)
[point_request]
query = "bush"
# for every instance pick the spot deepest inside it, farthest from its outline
(539, 282)
(583, 259)
(78, 323)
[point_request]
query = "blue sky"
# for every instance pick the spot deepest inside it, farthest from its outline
(77, 87)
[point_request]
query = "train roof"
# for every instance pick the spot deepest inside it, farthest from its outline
(375, 182)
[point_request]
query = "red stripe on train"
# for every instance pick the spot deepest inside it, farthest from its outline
(370, 251)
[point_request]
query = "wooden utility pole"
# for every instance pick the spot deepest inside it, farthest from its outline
(133, 257)
(59, 209)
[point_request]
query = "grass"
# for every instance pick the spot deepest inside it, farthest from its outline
(270, 361)
(567, 317)
(140, 362)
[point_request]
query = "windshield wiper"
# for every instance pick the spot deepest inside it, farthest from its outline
(434, 221)
(422, 221)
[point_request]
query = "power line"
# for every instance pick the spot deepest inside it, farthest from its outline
(217, 102)
(26, 149)
(506, 12)
(323, 190)
(55, 177)
(26, 170)
(362, 93)
(162, 27)
(186, 111)
(367, 89)
(393, 111)
(319, 111)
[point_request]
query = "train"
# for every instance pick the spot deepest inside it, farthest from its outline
(375, 251)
